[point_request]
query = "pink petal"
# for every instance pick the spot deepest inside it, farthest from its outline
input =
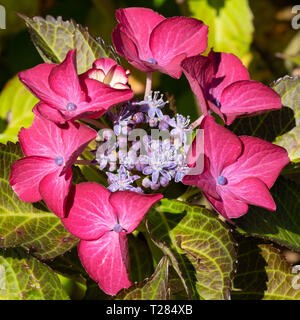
(176, 36)
(196, 151)
(204, 181)
(95, 74)
(127, 48)
(102, 96)
(173, 67)
(221, 146)
(37, 81)
(26, 175)
(137, 24)
(260, 159)
(248, 97)
(54, 189)
(42, 138)
(116, 75)
(75, 138)
(91, 214)
(106, 260)
(49, 113)
(64, 81)
(228, 69)
(252, 191)
(230, 206)
(131, 207)
(104, 64)
(199, 72)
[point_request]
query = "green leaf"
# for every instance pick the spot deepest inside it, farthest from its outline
(266, 126)
(230, 24)
(199, 246)
(31, 226)
(177, 290)
(155, 288)
(263, 273)
(141, 264)
(16, 104)
(53, 38)
(23, 277)
(282, 226)
(289, 90)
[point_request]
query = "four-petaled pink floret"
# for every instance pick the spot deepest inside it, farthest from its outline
(46, 171)
(237, 170)
(222, 84)
(151, 42)
(64, 95)
(102, 220)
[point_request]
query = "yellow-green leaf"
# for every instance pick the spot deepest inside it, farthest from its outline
(16, 104)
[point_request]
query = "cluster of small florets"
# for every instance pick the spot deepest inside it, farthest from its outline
(155, 159)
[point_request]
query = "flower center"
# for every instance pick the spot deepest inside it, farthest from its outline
(222, 180)
(59, 161)
(216, 102)
(151, 60)
(117, 228)
(71, 106)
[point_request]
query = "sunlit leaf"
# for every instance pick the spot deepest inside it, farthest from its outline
(154, 288)
(289, 90)
(199, 246)
(230, 24)
(16, 104)
(23, 277)
(263, 273)
(53, 38)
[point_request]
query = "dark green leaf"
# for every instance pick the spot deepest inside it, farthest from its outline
(141, 264)
(282, 226)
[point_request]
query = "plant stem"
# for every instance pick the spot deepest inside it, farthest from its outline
(191, 191)
(85, 163)
(95, 123)
(148, 84)
(197, 123)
